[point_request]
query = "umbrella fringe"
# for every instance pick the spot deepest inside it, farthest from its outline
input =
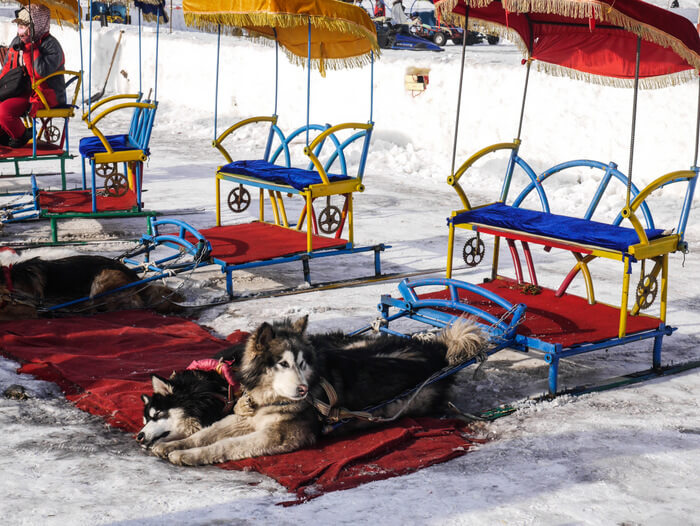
(661, 81)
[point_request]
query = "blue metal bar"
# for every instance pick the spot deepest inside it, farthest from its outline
(140, 76)
(82, 84)
(308, 81)
(89, 62)
(216, 89)
(277, 68)
(155, 82)
(687, 203)
(371, 86)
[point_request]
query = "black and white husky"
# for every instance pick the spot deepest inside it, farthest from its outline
(282, 373)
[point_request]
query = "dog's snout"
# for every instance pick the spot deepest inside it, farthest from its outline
(140, 437)
(303, 390)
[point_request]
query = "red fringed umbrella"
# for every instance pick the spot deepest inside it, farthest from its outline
(593, 40)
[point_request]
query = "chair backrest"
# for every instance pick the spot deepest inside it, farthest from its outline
(142, 125)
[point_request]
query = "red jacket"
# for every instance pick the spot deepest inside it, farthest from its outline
(47, 57)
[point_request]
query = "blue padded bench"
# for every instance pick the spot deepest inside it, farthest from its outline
(295, 177)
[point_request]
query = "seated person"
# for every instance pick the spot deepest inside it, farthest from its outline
(40, 54)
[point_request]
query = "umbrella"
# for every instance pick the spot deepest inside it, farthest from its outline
(592, 40)
(62, 11)
(340, 34)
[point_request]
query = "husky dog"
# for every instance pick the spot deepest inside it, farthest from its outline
(182, 405)
(26, 285)
(282, 373)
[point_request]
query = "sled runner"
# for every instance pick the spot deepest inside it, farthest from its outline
(49, 125)
(323, 36)
(653, 47)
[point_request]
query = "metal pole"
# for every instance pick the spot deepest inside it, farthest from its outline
(216, 91)
(634, 119)
(155, 82)
(459, 95)
(371, 86)
(522, 107)
(308, 83)
(697, 128)
(277, 69)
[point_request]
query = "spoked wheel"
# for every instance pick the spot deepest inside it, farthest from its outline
(52, 134)
(647, 289)
(239, 199)
(473, 251)
(329, 218)
(116, 185)
(106, 169)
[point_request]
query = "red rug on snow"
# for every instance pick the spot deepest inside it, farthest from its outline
(80, 202)
(104, 363)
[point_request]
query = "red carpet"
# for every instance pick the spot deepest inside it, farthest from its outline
(27, 151)
(103, 364)
(236, 244)
(80, 201)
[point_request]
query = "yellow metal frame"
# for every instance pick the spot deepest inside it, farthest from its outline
(47, 112)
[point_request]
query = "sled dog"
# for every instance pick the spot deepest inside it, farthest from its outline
(28, 285)
(282, 372)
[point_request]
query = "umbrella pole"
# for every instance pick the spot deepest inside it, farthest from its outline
(140, 76)
(459, 94)
(371, 86)
(82, 66)
(277, 68)
(308, 82)
(216, 85)
(634, 119)
(522, 106)
(697, 128)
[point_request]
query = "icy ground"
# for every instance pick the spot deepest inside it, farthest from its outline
(628, 456)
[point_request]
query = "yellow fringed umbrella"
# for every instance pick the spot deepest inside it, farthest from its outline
(342, 35)
(62, 11)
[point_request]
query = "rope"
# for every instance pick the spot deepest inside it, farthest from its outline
(522, 106)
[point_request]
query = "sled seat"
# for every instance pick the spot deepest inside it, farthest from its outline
(89, 146)
(577, 232)
(278, 172)
(297, 178)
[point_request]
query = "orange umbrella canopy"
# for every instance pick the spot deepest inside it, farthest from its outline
(62, 11)
(342, 35)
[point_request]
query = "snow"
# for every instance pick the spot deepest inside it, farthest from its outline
(627, 456)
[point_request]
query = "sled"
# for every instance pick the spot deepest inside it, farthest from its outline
(110, 192)
(50, 141)
(557, 323)
(322, 36)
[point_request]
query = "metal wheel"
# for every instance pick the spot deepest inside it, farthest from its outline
(52, 134)
(647, 289)
(116, 185)
(329, 219)
(239, 199)
(473, 251)
(106, 169)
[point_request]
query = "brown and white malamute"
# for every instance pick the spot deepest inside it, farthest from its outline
(282, 371)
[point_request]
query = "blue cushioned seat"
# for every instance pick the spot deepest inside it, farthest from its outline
(556, 226)
(89, 146)
(294, 177)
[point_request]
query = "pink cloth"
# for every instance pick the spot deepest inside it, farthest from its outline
(11, 111)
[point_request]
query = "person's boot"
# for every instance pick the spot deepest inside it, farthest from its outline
(21, 141)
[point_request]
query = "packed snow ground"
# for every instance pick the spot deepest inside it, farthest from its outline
(629, 456)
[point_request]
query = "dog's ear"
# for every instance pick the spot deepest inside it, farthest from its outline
(145, 399)
(161, 385)
(300, 324)
(262, 337)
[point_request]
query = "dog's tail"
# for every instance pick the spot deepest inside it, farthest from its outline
(464, 340)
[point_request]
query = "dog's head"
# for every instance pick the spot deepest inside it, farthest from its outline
(279, 358)
(182, 405)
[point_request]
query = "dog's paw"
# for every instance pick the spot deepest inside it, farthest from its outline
(184, 458)
(162, 449)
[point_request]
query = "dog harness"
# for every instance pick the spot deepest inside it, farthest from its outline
(226, 371)
(331, 413)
